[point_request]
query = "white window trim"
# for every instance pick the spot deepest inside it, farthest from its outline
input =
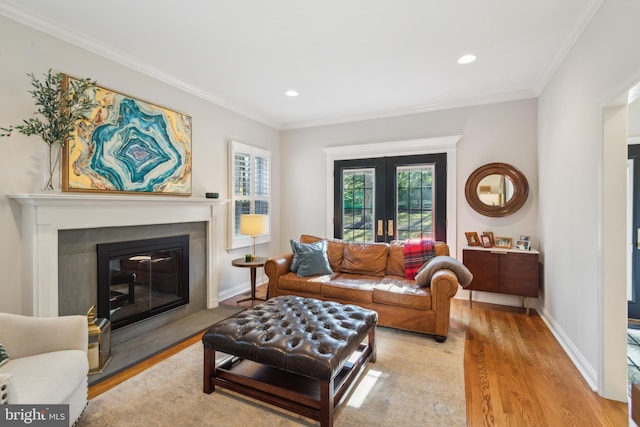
(236, 241)
(445, 144)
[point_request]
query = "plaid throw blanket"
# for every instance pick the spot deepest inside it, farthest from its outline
(416, 253)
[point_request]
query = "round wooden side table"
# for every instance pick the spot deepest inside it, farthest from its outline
(253, 265)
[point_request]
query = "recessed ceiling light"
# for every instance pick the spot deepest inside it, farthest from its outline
(291, 93)
(467, 59)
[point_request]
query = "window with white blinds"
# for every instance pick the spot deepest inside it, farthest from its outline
(250, 169)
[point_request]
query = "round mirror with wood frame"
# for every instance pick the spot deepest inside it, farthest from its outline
(496, 189)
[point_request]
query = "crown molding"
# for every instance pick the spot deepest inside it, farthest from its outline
(405, 111)
(40, 23)
(393, 148)
(96, 47)
(583, 20)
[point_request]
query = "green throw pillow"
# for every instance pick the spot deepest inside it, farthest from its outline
(4, 355)
(310, 259)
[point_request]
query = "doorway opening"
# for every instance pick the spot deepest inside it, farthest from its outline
(633, 235)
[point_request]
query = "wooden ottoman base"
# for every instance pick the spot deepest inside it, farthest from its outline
(303, 395)
(301, 354)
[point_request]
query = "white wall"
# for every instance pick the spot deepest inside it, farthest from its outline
(583, 301)
(504, 132)
(25, 50)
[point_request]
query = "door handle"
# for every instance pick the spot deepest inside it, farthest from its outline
(390, 227)
(638, 238)
(380, 231)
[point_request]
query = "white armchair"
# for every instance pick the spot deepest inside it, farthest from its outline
(47, 360)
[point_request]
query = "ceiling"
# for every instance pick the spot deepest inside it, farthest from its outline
(348, 59)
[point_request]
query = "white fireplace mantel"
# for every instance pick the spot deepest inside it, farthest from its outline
(43, 215)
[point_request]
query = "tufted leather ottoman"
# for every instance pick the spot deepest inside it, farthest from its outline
(301, 354)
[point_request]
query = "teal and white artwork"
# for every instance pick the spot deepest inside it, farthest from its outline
(132, 146)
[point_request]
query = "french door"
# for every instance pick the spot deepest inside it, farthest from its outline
(633, 254)
(390, 198)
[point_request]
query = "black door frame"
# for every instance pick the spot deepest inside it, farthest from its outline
(633, 306)
(386, 190)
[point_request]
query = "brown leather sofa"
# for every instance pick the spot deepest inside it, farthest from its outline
(372, 275)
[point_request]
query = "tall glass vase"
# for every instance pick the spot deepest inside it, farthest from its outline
(53, 183)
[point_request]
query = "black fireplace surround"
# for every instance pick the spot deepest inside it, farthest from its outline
(142, 278)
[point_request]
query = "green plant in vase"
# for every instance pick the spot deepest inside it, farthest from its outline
(62, 103)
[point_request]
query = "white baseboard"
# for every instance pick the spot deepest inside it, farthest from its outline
(234, 290)
(586, 370)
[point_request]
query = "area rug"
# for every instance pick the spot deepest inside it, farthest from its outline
(414, 382)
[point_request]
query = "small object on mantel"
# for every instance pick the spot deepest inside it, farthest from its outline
(211, 195)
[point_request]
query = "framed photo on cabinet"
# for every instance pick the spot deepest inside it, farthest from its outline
(490, 234)
(472, 238)
(503, 242)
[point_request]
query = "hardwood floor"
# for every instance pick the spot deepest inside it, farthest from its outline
(516, 373)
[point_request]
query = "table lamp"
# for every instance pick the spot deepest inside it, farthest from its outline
(253, 225)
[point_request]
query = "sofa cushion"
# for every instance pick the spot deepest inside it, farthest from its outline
(357, 289)
(401, 292)
(395, 261)
(47, 378)
(442, 249)
(311, 258)
(335, 250)
(305, 238)
(290, 282)
(365, 258)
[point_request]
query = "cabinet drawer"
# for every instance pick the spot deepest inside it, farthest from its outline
(519, 274)
(484, 267)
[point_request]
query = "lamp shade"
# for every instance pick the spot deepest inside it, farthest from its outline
(253, 224)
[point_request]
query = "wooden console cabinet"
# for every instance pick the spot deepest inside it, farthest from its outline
(505, 271)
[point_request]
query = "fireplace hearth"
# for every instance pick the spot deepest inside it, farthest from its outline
(138, 279)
